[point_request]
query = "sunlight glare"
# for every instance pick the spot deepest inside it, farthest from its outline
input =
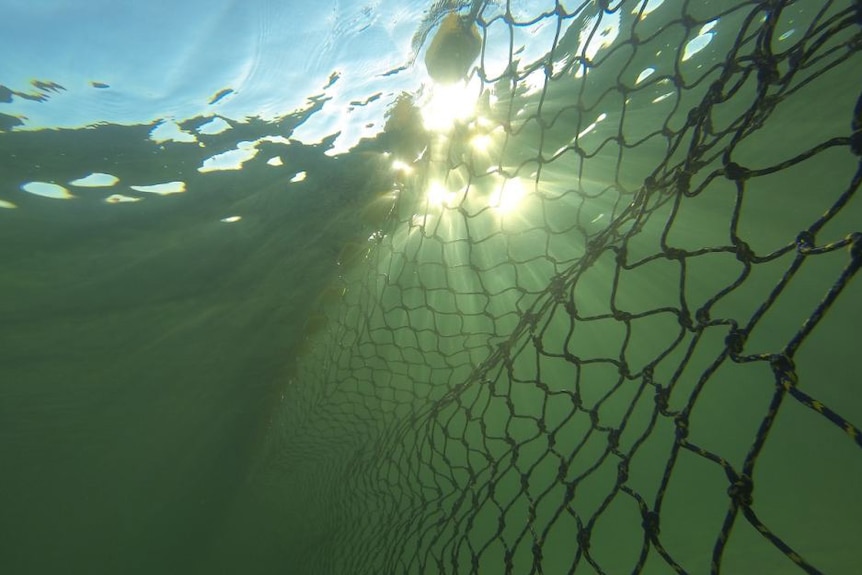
(164, 189)
(508, 196)
(447, 105)
(438, 196)
(481, 142)
(592, 126)
(47, 190)
(400, 166)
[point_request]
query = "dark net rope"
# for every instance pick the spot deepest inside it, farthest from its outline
(540, 391)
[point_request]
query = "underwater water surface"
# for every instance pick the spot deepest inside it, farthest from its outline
(408, 287)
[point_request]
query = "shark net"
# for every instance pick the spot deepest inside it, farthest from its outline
(604, 322)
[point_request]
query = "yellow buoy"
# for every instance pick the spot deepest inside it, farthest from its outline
(453, 49)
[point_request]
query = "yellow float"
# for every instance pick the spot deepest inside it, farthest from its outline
(453, 49)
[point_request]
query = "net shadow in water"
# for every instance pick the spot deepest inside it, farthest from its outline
(625, 372)
(603, 324)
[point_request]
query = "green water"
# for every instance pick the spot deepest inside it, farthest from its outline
(172, 399)
(143, 346)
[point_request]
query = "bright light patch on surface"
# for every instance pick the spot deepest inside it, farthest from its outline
(561, 64)
(699, 42)
(709, 26)
(658, 99)
(447, 105)
(592, 126)
(592, 41)
(508, 196)
(7, 205)
(121, 199)
(648, 7)
(231, 219)
(95, 180)
(534, 83)
(298, 177)
(47, 190)
(162, 189)
(169, 131)
(787, 34)
(275, 161)
(230, 160)
(214, 126)
(644, 75)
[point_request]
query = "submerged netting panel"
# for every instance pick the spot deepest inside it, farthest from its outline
(616, 336)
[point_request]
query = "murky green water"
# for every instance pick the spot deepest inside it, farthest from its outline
(498, 361)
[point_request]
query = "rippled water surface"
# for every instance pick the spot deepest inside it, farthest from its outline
(345, 287)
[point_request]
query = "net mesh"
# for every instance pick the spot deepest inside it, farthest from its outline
(602, 325)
